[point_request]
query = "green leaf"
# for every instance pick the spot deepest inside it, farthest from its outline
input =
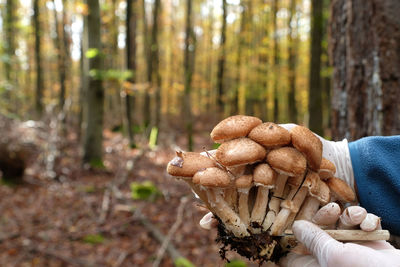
(94, 239)
(215, 145)
(144, 191)
(236, 263)
(92, 53)
(183, 262)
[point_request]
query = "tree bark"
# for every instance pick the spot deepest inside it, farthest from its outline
(131, 17)
(292, 62)
(58, 41)
(315, 92)
(188, 68)
(275, 9)
(238, 63)
(365, 54)
(39, 75)
(9, 39)
(148, 54)
(92, 147)
(221, 62)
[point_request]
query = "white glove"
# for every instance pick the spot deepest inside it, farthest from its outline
(337, 152)
(326, 251)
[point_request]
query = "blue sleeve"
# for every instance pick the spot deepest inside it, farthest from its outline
(376, 166)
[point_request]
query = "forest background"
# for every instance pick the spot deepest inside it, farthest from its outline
(105, 92)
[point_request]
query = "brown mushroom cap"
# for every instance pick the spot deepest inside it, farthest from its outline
(287, 160)
(234, 127)
(341, 189)
(324, 193)
(186, 164)
(240, 151)
(264, 175)
(244, 181)
(212, 177)
(312, 181)
(309, 144)
(270, 134)
(327, 169)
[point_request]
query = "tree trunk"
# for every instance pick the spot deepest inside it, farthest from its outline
(156, 77)
(221, 62)
(292, 61)
(315, 94)
(188, 67)
(39, 75)
(60, 58)
(238, 63)
(9, 38)
(364, 49)
(131, 17)
(92, 146)
(148, 54)
(275, 9)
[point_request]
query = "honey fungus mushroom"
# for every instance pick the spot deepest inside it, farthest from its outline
(308, 144)
(234, 127)
(264, 178)
(270, 135)
(214, 180)
(240, 151)
(286, 161)
(185, 164)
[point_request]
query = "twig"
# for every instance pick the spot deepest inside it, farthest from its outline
(121, 258)
(174, 228)
(156, 233)
(105, 205)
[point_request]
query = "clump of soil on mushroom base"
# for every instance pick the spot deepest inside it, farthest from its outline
(257, 247)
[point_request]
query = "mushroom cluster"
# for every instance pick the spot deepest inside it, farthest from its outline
(260, 179)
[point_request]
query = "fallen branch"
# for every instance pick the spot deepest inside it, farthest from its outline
(156, 233)
(174, 228)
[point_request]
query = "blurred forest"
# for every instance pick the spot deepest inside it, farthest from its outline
(97, 95)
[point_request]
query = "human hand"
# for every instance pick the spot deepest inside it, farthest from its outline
(338, 153)
(326, 251)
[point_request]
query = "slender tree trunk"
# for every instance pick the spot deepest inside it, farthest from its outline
(9, 38)
(364, 48)
(148, 54)
(275, 9)
(156, 77)
(221, 62)
(292, 60)
(188, 68)
(92, 147)
(39, 75)
(131, 17)
(315, 95)
(240, 47)
(60, 58)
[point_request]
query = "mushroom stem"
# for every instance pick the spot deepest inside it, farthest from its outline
(244, 206)
(308, 209)
(273, 205)
(202, 195)
(282, 217)
(230, 196)
(228, 217)
(260, 206)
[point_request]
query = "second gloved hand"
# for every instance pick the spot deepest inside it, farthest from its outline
(326, 251)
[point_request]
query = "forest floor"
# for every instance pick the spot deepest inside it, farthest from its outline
(89, 218)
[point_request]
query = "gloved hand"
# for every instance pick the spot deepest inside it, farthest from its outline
(338, 153)
(326, 251)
